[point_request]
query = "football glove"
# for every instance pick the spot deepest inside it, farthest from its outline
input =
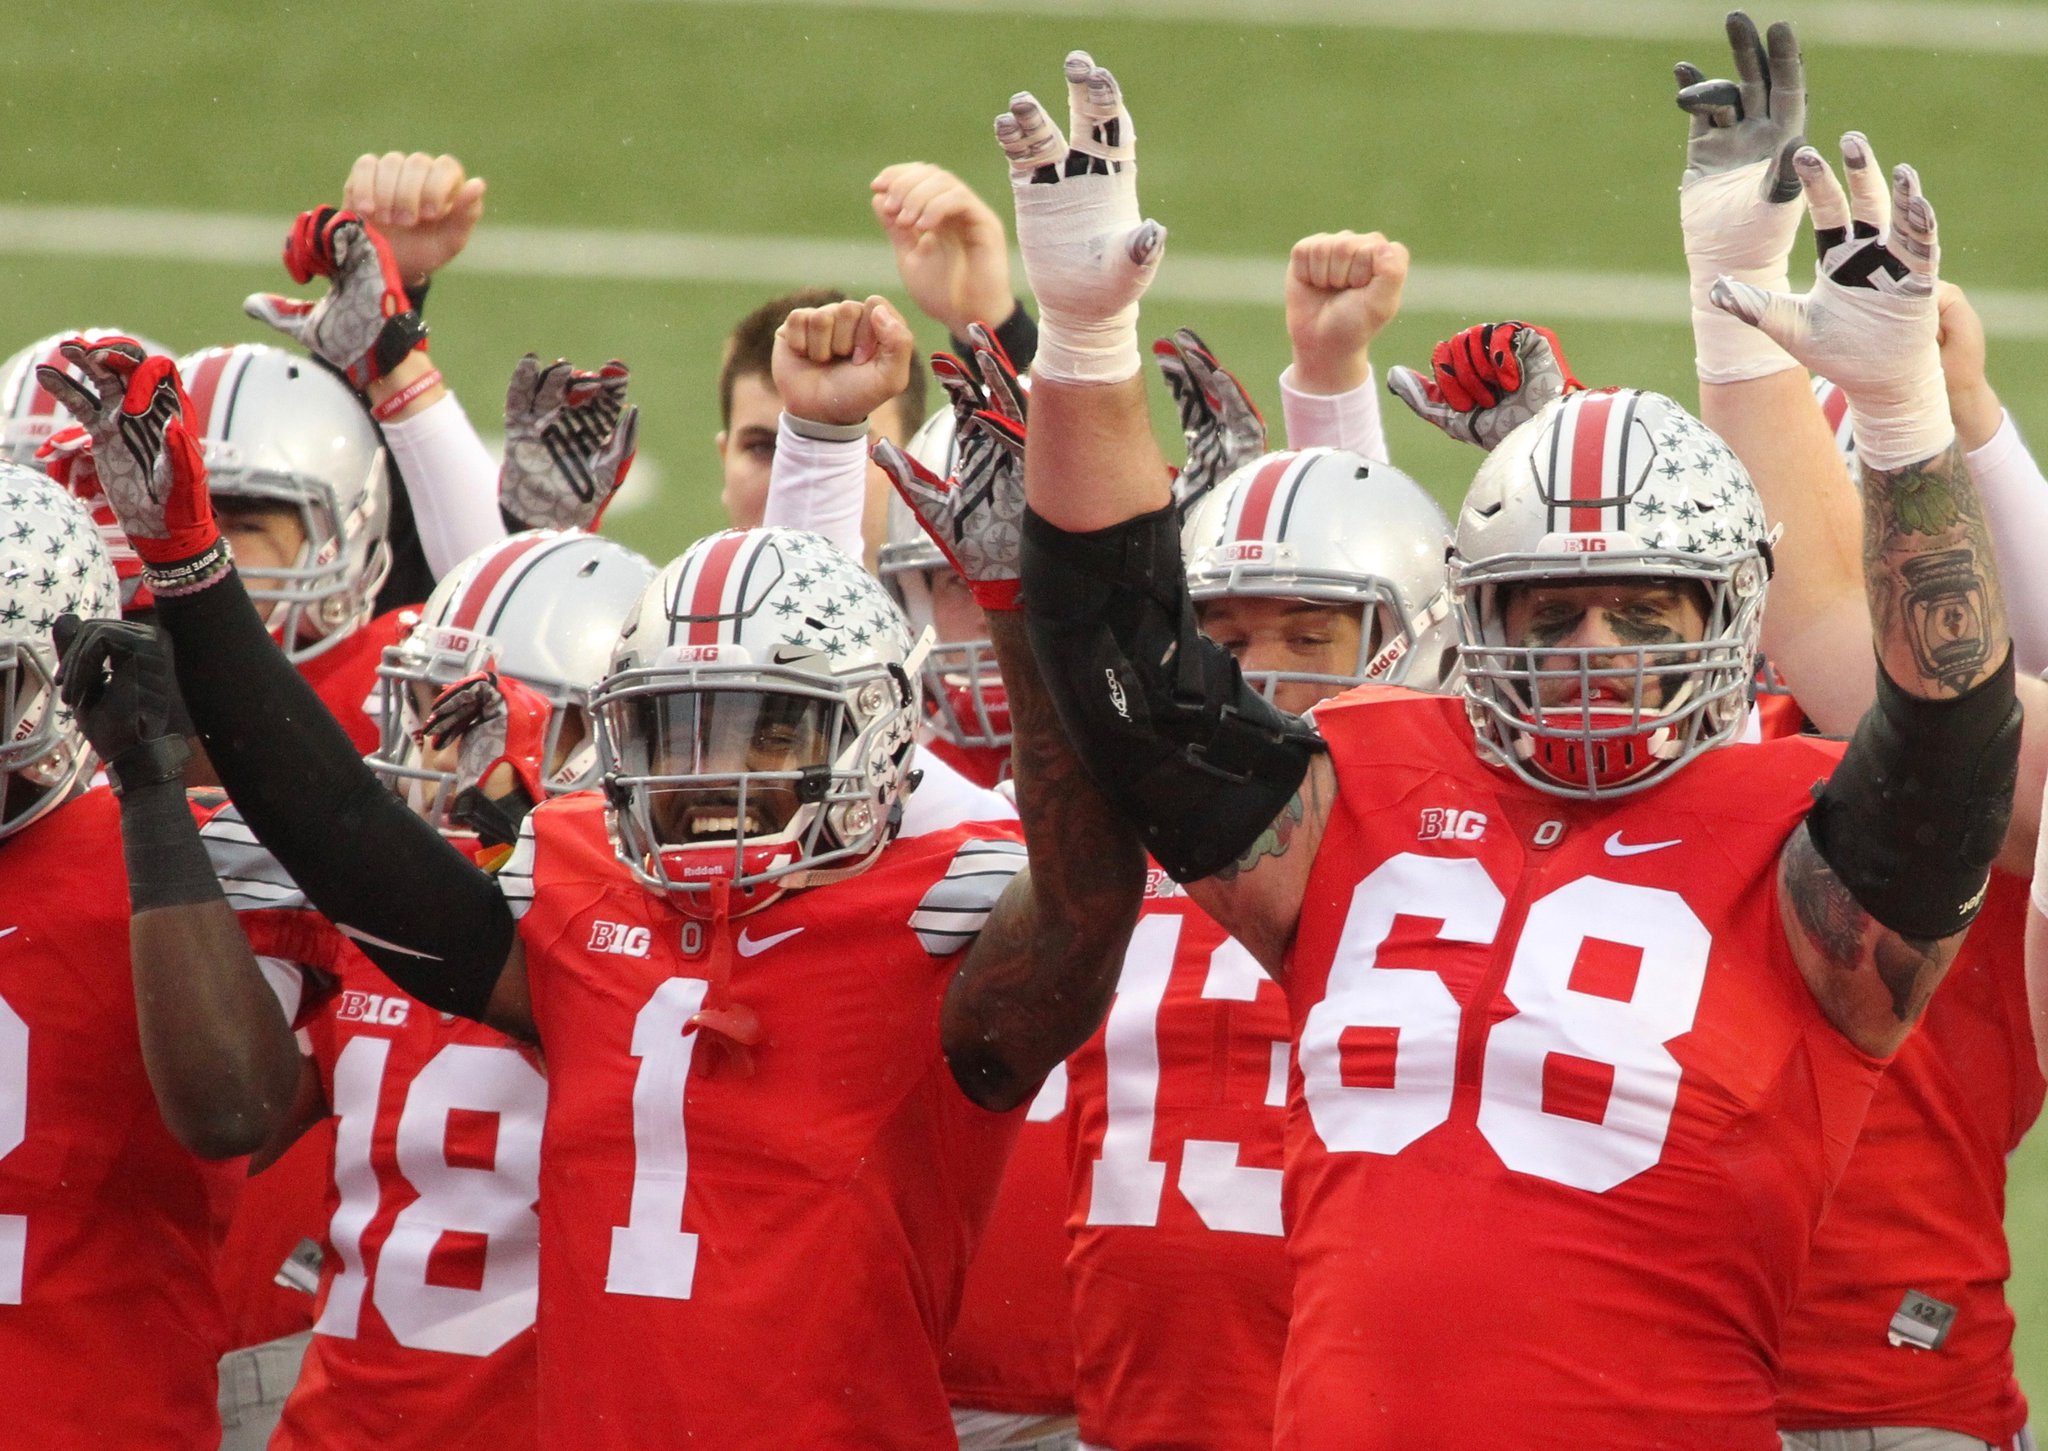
(499, 722)
(1088, 254)
(1871, 321)
(569, 440)
(977, 516)
(116, 678)
(1487, 381)
(145, 451)
(1737, 200)
(1223, 427)
(365, 325)
(66, 456)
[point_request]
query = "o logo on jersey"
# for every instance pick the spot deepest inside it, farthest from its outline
(1441, 824)
(694, 939)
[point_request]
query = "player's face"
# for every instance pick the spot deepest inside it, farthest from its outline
(1300, 636)
(747, 452)
(1618, 616)
(261, 535)
(955, 615)
(727, 733)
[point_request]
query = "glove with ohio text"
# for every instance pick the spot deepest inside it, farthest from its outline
(66, 456)
(977, 516)
(366, 324)
(1487, 381)
(116, 678)
(1871, 321)
(569, 440)
(1737, 201)
(145, 451)
(1223, 427)
(498, 722)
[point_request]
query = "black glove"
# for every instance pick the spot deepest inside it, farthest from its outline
(116, 678)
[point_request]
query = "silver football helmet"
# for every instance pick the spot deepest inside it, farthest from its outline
(964, 699)
(1599, 486)
(755, 730)
(51, 563)
(1331, 526)
(544, 608)
(28, 414)
(278, 428)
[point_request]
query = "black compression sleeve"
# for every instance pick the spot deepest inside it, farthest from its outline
(433, 923)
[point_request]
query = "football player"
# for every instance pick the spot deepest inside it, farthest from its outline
(1902, 1335)
(1563, 964)
(110, 1324)
(754, 1063)
(1009, 1364)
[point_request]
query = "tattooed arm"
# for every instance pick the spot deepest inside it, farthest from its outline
(1257, 898)
(1040, 976)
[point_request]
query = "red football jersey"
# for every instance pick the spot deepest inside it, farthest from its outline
(424, 1336)
(275, 1212)
(983, 765)
(1179, 1272)
(1564, 1114)
(1012, 1348)
(110, 1325)
(778, 1232)
(345, 675)
(1920, 1216)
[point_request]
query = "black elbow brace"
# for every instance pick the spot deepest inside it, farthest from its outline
(1160, 715)
(431, 921)
(1916, 813)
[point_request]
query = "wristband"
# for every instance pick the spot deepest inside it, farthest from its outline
(400, 336)
(1018, 336)
(189, 576)
(416, 295)
(399, 401)
(167, 863)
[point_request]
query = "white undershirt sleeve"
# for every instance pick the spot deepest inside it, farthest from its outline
(452, 481)
(2016, 507)
(819, 481)
(1335, 420)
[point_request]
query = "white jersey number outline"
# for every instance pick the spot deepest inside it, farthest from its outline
(13, 1132)
(1128, 1184)
(496, 1203)
(1627, 1036)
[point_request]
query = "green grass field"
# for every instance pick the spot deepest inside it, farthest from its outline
(1510, 151)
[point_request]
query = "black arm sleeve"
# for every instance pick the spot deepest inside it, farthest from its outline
(1916, 813)
(431, 921)
(1158, 713)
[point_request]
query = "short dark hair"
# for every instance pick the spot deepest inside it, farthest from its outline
(750, 350)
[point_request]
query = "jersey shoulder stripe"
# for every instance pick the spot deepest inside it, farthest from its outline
(953, 910)
(515, 877)
(252, 879)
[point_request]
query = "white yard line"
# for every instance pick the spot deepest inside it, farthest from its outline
(1977, 28)
(630, 256)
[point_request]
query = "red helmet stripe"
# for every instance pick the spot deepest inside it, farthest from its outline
(1590, 469)
(1835, 404)
(495, 568)
(1258, 499)
(706, 599)
(202, 387)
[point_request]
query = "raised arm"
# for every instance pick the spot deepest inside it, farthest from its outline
(1039, 977)
(215, 1042)
(435, 924)
(1342, 289)
(1892, 862)
(1218, 782)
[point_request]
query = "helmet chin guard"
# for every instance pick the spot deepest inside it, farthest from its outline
(1614, 487)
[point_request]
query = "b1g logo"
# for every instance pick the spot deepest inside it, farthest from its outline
(1441, 824)
(388, 1012)
(619, 939)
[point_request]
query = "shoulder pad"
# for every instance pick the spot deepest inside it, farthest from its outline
(251, 878)
(952, 912)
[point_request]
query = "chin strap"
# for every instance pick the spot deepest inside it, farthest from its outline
(731, 1027)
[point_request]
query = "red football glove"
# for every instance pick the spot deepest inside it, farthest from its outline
(365, 325)
(145, 450)
(66, 456)
(1223, 427)
(977, 516)
(499, 722)
(1487, 381)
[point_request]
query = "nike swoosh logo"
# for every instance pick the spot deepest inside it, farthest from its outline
(1617, 847)
(751, 946)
